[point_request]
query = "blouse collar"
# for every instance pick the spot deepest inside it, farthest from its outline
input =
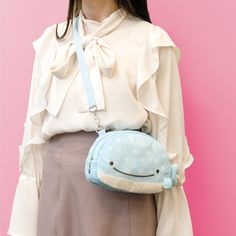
(100, 28)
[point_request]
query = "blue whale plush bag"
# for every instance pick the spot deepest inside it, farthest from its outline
(123, 160)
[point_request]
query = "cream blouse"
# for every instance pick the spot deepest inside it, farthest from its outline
(133, 67)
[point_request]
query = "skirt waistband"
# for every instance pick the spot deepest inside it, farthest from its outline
(82, 133)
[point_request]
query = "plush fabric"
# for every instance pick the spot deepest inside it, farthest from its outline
(130, 161)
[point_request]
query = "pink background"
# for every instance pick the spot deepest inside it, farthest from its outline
(205, 32)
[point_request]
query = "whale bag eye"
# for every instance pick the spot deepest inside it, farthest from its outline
(157, 171)
(111, 163)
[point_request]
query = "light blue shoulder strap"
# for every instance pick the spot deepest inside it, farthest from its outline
(82, 64)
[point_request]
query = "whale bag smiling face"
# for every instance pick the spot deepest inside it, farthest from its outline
(130, 161)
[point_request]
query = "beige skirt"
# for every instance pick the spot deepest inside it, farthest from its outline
(71, 206)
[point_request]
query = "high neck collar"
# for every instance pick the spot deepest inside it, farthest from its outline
(85, 20)
(100, 28)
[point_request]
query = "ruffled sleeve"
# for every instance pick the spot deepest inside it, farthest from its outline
(33, 146)
(159, 92)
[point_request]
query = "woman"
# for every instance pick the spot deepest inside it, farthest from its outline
(133, 66)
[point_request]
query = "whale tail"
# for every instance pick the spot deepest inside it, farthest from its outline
(174, 172)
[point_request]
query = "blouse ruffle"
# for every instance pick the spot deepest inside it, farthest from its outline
(149, 61)
(159, 92)
(33, 138)
(149, 98)
(34, 143)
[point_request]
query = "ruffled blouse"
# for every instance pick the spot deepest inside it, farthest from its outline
(133, 67)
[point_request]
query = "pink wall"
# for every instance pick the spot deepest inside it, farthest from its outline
(205, 32)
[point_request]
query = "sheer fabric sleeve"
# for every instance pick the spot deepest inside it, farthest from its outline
(159, 91)
(33, 147)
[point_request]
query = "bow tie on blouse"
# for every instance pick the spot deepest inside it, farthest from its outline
(99, 56)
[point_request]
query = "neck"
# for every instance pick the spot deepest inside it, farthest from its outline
(98, 10)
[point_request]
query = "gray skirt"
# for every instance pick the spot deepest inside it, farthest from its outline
(71, 206)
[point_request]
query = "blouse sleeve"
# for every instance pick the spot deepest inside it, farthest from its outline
(23, 217)
(159, 91)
